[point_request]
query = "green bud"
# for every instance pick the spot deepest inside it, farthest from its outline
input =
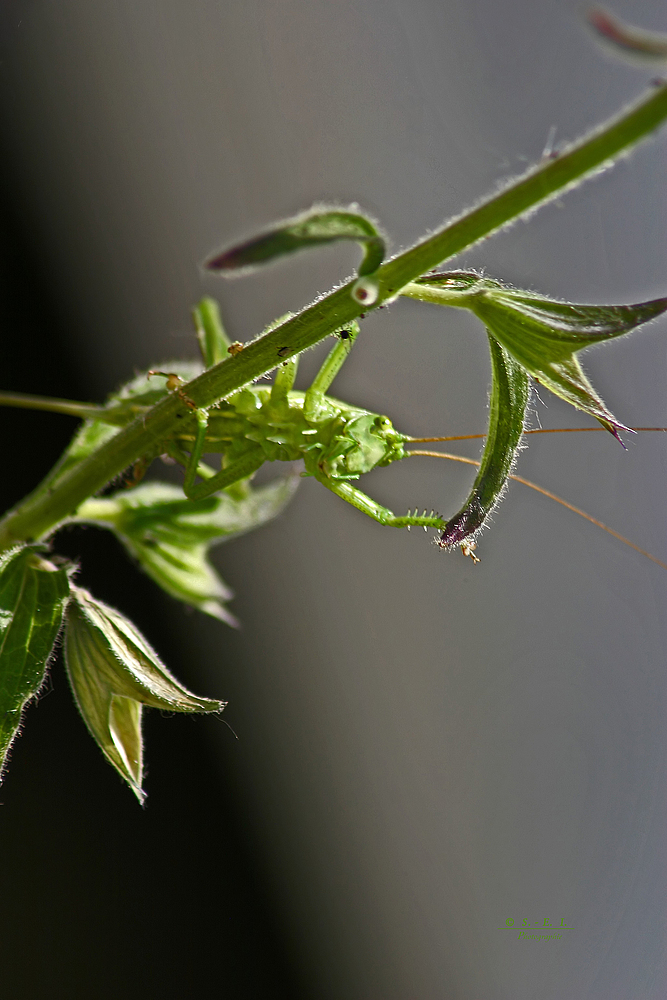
(318, 226)
(114, 672)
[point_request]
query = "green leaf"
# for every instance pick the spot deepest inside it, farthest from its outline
(32, 596)
(510, 391)
(316, 227)
(114, 672)
(544, 336)
(170, 536)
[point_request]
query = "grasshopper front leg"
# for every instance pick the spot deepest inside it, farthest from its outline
(314, 401)
(379, 513)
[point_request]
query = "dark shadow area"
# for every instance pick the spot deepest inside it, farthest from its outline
(101, 898)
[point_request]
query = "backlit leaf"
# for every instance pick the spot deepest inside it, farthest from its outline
(33, 592)
(170, 536)
(113, 672)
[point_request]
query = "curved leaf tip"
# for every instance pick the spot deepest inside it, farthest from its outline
(636, 45)
(316, 227)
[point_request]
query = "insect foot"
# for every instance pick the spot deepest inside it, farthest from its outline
(174, 383)
(468, 549)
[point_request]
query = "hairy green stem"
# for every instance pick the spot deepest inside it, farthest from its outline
(25, 401)
(38, 515)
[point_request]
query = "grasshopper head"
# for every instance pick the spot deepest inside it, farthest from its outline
(367, 440)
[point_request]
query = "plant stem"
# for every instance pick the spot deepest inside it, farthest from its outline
(41, 512)
(25, 401)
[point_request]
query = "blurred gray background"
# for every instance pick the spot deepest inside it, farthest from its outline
(427, 749)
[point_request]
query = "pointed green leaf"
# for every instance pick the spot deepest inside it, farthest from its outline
(510, 391)
(316, 227)
(170, 536)
(113, 672)
(544, 330)
(33, 592)
(544, 337)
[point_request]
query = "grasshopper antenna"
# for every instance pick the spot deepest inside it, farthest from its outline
(546, 493)
(537, 430)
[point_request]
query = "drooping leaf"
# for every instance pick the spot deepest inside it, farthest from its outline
(316, 227)
(170, 536)
(33, 592)
(114, 672)
(540, 329)
(510, 391)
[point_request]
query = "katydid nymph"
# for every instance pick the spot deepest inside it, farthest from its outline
(336, 442)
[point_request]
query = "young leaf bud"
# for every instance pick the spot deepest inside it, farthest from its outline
(113, 672)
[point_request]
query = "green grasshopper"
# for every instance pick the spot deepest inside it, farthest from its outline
(337, 442)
